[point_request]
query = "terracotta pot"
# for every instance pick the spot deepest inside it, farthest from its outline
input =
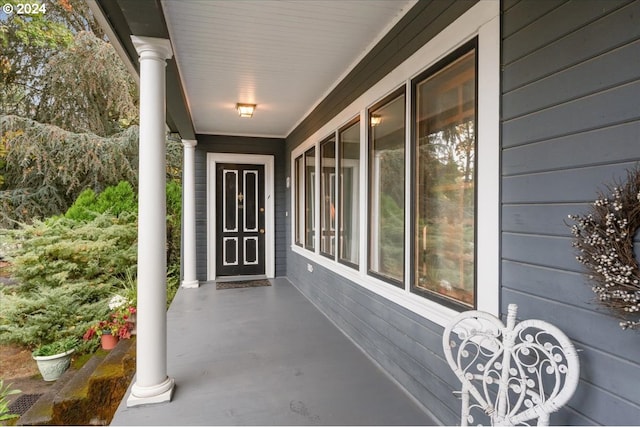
(108, 341)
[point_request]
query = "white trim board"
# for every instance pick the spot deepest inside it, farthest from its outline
(269, 194)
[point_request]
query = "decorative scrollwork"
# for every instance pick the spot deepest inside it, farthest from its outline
(515, 373)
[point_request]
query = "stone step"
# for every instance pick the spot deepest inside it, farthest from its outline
(94, 399)
(89, 396)
(41, 412)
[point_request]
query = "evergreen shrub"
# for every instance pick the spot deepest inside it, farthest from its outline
(69, 266)
(60, 251)
(116, 200)
(174, 218)
(46, 315)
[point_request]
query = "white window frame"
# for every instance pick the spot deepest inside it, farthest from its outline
(482, 21)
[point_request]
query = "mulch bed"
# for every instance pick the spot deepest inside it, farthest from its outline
(243, 284)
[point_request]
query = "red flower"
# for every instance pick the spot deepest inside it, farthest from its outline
(125, 331)
(89, 334)
(118, 324)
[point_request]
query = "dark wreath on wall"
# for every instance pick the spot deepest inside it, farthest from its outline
(604, 239)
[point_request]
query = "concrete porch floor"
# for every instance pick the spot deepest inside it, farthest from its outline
(267, 356)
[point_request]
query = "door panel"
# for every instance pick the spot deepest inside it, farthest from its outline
(240, 239)
(230, 200)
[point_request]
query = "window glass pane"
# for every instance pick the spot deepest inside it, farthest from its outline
(445, 187)
(386, 189)
(309, 194)
(328, 196)
(299, 220)
(349, 205)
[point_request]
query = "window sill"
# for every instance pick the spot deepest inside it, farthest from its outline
(421, 306)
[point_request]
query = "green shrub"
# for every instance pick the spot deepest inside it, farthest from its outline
(45, 315)
(69, 266)
(116, 200)
(61, 251)
(174, 218)
(81, 209)
(67, 271)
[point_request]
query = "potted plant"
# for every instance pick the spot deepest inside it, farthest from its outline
(117, 326)
(125, 307)
(54, 358)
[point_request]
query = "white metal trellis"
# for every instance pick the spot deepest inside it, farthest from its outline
(515, 373)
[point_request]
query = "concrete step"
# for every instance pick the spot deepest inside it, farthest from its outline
(93, 399)
(89, 396)
(41, 412)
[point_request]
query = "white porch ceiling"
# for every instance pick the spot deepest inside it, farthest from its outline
(283, 55)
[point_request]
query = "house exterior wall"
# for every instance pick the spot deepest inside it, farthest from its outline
(406, 345)
(570, 122)
(239, 145)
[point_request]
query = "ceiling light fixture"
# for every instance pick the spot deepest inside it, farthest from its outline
(375, 120)
(245, 110)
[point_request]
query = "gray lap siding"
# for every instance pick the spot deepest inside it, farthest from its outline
(571, 124)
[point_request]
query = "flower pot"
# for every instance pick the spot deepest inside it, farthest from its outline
(108, 341)
(52, 367)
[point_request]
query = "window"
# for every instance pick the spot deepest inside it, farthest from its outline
(328, 196)
(299, 205)
(416, 203)
(386, 188)
(349, 191)
(445, 190)
(309, 201)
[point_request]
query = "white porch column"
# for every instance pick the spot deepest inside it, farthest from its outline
(152, 383)
(189, 214)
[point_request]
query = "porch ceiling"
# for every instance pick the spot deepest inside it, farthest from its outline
(284, 56)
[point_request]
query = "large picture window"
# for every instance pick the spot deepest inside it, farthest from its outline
(328, 196)
(349, 194)
(445, 179)
(386, 188)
